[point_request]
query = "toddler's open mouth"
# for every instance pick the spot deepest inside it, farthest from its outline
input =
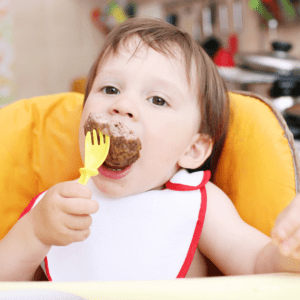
(112, 168)
(114, 173)
(124, 144)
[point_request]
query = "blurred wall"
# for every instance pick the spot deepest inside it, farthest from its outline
(55, 42)
(7, 88)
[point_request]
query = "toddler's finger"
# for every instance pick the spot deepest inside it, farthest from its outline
(288, 246)
(79, 222)
(74, 189)
(279, 233)
(287, 225)
(296, 253)
(81, 235)
(79, 206)
(71, 236)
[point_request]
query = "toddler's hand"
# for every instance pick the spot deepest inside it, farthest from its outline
(286, 232)
(63, 215)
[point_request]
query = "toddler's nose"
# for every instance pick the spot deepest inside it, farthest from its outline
(125, 108)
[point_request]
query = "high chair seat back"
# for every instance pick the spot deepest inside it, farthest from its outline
(258, 169)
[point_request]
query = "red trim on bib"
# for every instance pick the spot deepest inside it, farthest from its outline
(47, 269)
(182, 187)
(197, 233)
(25, 211)
(29, 206)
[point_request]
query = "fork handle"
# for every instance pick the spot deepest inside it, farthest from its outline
(86, 173)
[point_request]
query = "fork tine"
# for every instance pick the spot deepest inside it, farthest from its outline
(102, 137)
(99, 137)
(95, 138)
(89, 137)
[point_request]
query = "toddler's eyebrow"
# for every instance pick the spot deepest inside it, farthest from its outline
(108, 73)
(165, 84)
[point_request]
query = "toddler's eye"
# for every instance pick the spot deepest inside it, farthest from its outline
(110, 90)
(158, 101)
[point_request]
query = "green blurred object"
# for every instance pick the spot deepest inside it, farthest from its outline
(260, 8)
(288, 7)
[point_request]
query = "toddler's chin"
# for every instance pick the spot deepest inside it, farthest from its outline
(114, 189)
(109, 189)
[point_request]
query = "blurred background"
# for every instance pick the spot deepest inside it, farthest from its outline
(48, 46)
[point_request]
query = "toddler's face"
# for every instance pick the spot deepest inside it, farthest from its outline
(150, 94)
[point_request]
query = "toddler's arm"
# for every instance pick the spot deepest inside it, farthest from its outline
(21, 251)
(235, 247)
(60, 218)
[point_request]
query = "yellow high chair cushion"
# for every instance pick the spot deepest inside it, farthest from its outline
(259, 166)
(258, 169)
(39, 148)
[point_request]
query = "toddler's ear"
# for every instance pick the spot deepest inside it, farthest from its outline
(197, 152)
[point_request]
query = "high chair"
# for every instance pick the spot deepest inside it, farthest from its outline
(258, 169)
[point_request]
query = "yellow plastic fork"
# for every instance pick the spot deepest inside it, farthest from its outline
(95, 155)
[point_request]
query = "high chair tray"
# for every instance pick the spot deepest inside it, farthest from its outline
(37, 294)
(271, 286)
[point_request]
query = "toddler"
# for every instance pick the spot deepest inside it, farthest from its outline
(155, 219)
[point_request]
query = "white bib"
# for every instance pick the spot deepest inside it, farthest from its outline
(149, 236)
